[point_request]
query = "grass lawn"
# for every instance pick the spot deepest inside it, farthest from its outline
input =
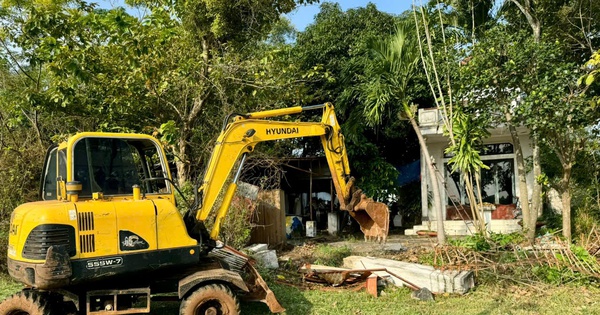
(7, 286)
(485, 299)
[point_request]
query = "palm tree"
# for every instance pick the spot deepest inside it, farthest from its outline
(396, 62)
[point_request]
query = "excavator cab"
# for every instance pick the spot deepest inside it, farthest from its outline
(106, 165)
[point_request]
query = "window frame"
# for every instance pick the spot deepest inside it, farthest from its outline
(53, 149)
(505, 156)
(155, 144)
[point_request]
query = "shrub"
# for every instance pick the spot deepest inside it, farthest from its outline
(479, 242)
(236, 228)
(476, 242)
(3, 245)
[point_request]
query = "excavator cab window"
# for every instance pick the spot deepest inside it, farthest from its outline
(49, 181)
(55, 169)
(113, 166)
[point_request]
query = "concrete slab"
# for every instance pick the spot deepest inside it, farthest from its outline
(437, 281)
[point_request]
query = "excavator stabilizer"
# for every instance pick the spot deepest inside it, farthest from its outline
(239, 262)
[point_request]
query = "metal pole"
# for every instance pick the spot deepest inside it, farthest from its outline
(331, 194)
(310, 195)
(311, 107)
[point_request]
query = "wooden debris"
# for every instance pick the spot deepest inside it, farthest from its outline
(333, 275)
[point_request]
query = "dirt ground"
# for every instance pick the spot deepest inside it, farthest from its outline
(399, 247)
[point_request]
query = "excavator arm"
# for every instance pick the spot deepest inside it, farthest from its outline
(239, 138)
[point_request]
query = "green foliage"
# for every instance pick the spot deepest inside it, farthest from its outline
(187, 198)
(592, 65)
(395, 66)
(8, 286)
(347, 57)
(168, 132)
(560, 21)
(226, 21)
(585, 222)
(503, 240)
(468, 134)
(476, 242)
(561, 276)
(429, 258)
(3, 244)
(333, 256)
(549, 274)
(236, 227)
(481, 243)
(583, 255)
(473, 17)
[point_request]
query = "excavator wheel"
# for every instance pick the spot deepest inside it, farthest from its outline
(25, 303)
(212, 299)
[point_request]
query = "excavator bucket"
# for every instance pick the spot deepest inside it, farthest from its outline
(374, 220)
(373, 217)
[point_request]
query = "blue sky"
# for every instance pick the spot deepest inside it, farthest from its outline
(303, 15)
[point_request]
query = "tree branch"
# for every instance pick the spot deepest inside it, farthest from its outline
(16, 61)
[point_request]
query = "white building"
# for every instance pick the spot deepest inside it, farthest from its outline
(499, 182)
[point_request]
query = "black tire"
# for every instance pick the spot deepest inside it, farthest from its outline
(212, 299)
(25, 303)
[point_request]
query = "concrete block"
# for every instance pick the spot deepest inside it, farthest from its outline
(422, 295)
(333, 223)
(394, 247)
(267, 258)
(311, 228)
(255, 248)
(410, 232)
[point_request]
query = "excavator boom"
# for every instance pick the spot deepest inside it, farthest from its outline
(239, 138)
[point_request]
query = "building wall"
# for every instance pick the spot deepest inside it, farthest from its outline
(437, 143)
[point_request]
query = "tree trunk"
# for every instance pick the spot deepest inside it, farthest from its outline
(522, 182)
(182, 162)
(536, 196)
(189, 119)
(526, 8)
(566, 201)
(437, 199)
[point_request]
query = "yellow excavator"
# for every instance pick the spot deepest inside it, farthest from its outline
(107, 236)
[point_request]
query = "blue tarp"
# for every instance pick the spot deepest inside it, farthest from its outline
(409, 173)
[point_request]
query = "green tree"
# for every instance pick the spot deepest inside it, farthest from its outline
(208, 40)
(569, 23)
(441, 50)
(397, 59)
(338, 44)
(521, 81)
